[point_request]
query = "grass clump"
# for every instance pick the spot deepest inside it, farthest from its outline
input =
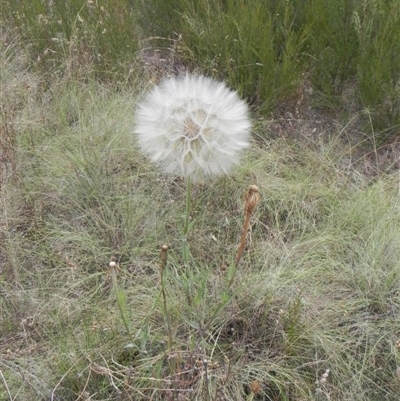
(255, 49)
(378, 60)
(65, 34)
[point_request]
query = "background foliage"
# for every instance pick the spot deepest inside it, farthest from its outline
(346, 52)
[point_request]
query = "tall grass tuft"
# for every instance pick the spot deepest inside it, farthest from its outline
(378, 68)
(256, 50)
(102, 35)
(276, 53)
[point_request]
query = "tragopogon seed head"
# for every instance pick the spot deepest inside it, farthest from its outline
(193, 127)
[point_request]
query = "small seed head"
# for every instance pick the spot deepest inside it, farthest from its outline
(252, 198)
(255, 387)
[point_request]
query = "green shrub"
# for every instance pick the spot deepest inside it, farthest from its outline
(257, 51)
(378, 66)
(331, 45)
(346, 50)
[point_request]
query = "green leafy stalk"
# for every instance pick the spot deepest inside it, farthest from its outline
(120, 296)
(252, 199)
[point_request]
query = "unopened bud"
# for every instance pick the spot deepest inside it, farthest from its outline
(252, 198)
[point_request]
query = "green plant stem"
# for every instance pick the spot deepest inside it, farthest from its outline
(169, 329)
(205, 364)
(186, 253)
(185, 245)
(243, 239)
(163, 272)
(119, 300)
(242, 245)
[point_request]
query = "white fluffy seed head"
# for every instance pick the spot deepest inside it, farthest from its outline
(193, 127)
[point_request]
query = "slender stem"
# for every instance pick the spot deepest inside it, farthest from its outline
(187, 222)
(163, 264)
(252, 199)
(243, 239)
(205, 364)
(241, 247)
(185, 245)
(188, 196)
(119, 296)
